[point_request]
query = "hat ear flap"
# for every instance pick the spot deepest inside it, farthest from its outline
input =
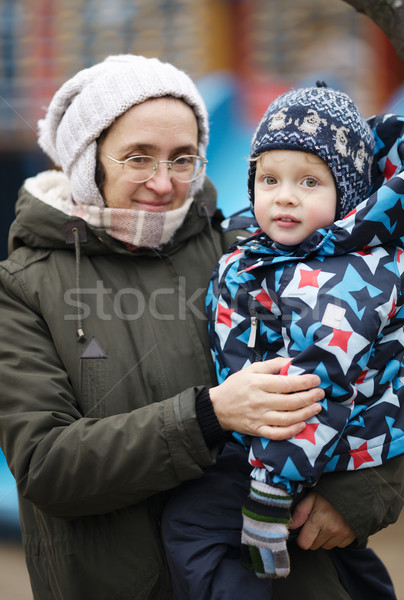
(63, 98)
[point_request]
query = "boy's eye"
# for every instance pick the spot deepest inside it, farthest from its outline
(310, 182)
(269, 180)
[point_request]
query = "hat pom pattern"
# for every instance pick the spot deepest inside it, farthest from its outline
(324, 122)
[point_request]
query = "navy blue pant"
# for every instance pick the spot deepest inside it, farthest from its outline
(202, 531)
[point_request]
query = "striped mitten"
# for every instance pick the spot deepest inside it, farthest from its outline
(266, 514)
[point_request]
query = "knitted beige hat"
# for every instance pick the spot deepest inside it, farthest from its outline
(90, 102)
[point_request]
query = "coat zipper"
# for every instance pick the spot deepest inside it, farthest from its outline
(253, 332)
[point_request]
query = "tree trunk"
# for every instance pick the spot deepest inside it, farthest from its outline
(388, 15)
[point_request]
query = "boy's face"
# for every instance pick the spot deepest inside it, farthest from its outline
(295, 194)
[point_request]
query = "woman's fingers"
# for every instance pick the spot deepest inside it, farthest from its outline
(288, 402)
(283, 384)
(283, 425)
(322, 525)
(280, 433)
(258, 401)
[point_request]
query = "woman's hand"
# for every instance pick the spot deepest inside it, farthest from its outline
(258, 401)
(322, 525)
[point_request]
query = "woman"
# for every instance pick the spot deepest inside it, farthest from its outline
(107, 399)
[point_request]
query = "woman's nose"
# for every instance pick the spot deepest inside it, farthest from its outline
(161, 181)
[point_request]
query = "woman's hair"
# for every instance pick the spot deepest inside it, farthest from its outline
(99, 167)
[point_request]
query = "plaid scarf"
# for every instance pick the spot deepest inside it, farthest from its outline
(135, 228)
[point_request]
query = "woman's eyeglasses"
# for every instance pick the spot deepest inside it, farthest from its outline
(184, 168)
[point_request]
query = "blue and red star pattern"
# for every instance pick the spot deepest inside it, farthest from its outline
(334, 306)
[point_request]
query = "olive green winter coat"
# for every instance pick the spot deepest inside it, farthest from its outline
(96, 431)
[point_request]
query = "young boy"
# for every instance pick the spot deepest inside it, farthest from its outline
(321, 283)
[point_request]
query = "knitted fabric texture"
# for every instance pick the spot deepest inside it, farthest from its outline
(90, 102)
(135, 228)
(325, 122)
(266, 514)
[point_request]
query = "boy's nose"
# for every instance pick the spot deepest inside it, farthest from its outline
(287, 194)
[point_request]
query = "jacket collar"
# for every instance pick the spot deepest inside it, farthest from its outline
(39, 225)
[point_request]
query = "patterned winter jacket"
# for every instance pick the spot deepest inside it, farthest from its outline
(334, 305)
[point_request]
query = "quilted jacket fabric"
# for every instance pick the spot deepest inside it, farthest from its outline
(334, 305)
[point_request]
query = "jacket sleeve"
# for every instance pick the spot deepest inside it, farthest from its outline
(69, 465)
(368, 499)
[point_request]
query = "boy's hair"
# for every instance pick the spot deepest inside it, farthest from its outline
(325, 122)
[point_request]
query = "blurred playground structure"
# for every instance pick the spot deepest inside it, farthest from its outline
(241, 53)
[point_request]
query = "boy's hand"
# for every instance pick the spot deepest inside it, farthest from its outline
(266, 514)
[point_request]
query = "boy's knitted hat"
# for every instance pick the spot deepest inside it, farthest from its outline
(90, 102)
(324, 122)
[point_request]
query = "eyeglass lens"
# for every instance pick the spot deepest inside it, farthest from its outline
(184, 168)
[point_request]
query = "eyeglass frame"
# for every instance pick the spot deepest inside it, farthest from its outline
(157, 163)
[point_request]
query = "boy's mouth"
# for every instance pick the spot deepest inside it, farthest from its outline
(285, 219)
